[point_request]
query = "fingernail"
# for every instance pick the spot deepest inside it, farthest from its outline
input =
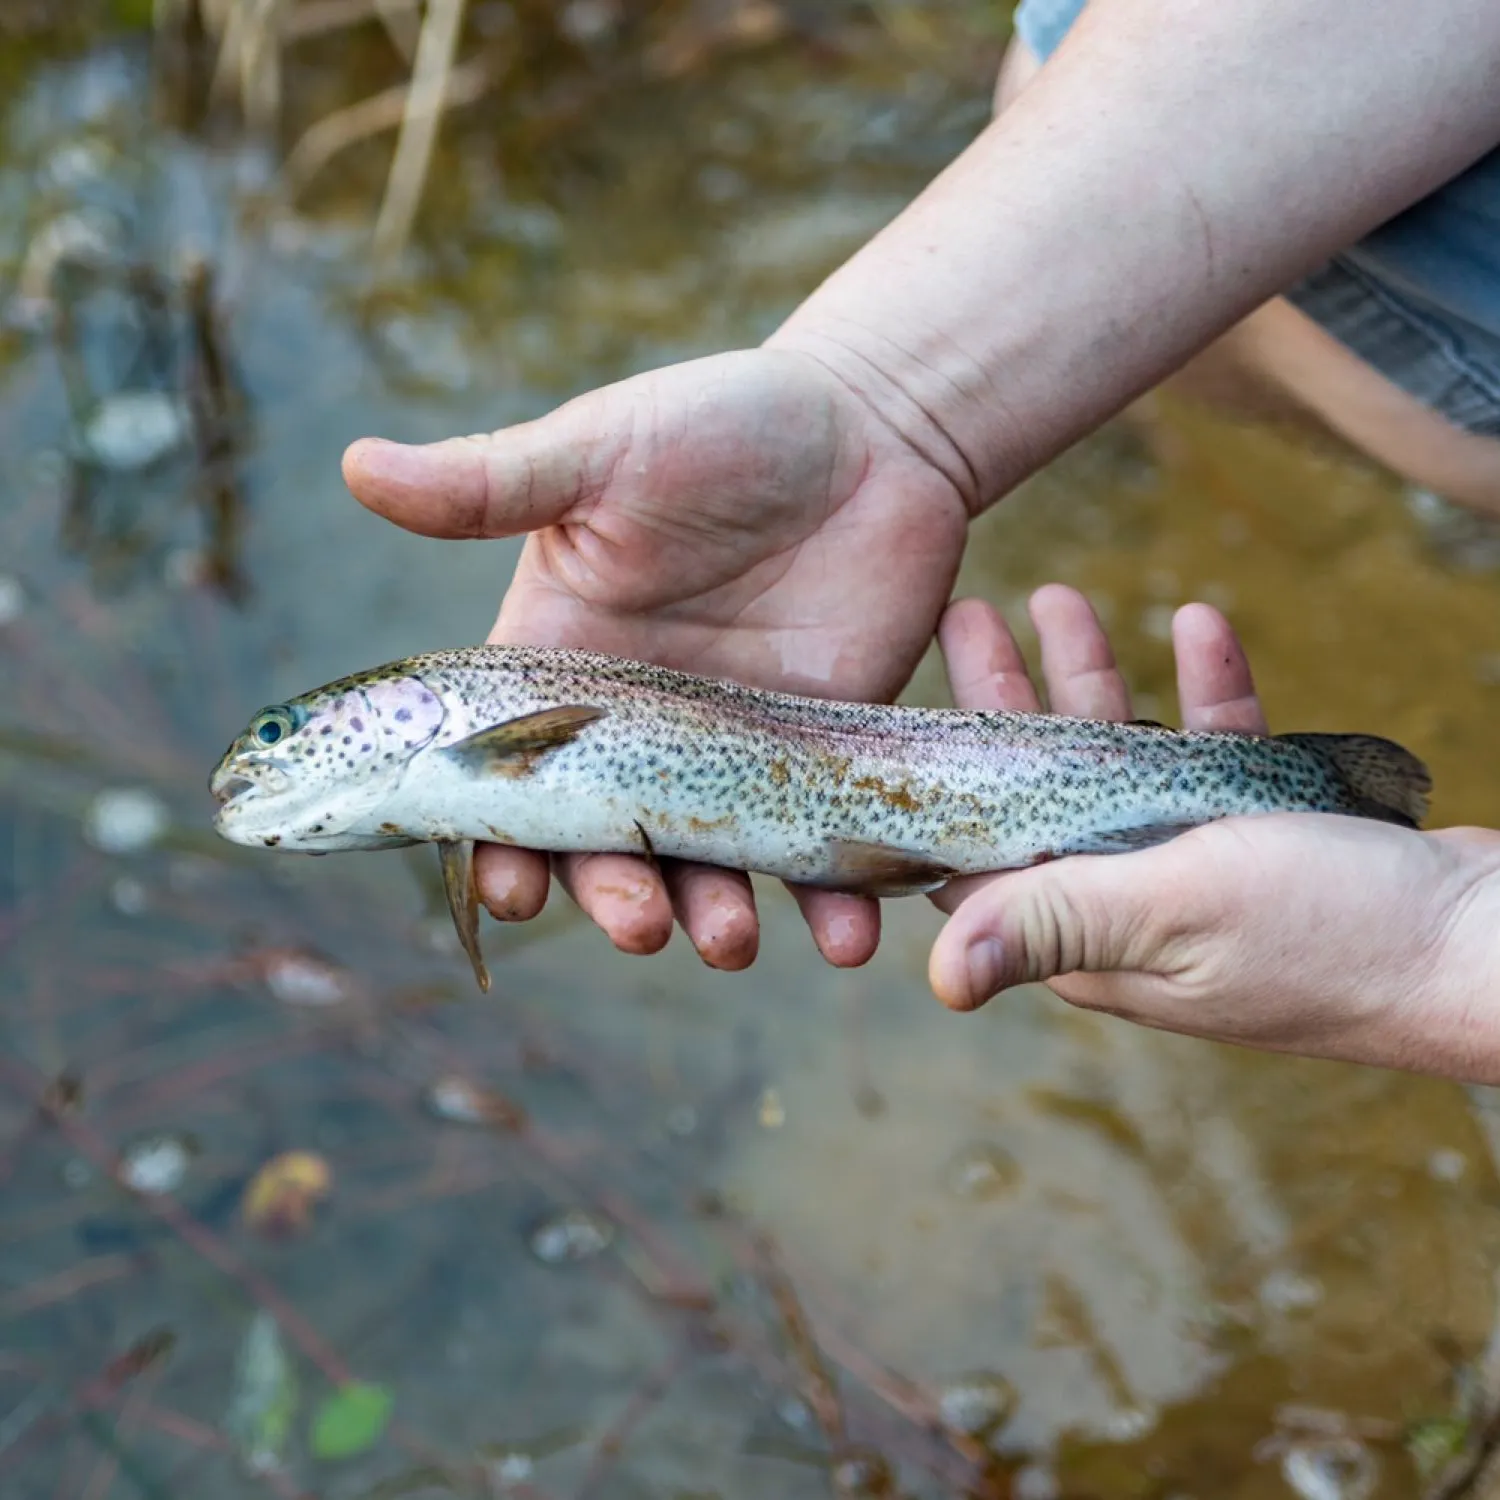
(985, 960)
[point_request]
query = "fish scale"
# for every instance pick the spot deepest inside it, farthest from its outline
(569, 751)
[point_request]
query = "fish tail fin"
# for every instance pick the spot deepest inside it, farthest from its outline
(1384, 780)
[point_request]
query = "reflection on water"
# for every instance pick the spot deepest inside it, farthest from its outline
(627, 1227)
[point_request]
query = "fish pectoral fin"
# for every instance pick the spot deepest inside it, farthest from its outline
(1124, 840)
(865, 869)
(457, 859)
(515, 743)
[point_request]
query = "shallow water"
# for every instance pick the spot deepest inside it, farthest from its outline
(1201, 1270)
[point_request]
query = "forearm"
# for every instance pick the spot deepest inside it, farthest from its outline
(1177, 163)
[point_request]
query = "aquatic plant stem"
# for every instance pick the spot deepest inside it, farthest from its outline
(26, 1082)
(434, 63)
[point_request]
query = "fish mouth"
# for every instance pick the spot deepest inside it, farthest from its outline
(226, 789)
(237, 783)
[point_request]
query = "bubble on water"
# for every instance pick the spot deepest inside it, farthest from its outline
(863, 1473)
(132, 430)
(125, 820)
(1129, 1424)
(977, 1404)
(1340, 1469)
(1034, 1483)
(981, 1172)
(128, 896)
(570, 1236)
(1289, 1291)
(76, 163)
(511, 1468)
(12, 599)
(156, 1164)
(796, 1413)
(585, 21)
(771, 1112)
(304, 979)
(1447, 1165)
(683, 1120)
(461, 1102)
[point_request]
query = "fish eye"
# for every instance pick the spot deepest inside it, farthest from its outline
(272, 725)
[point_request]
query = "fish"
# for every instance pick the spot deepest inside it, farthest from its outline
(571, 751)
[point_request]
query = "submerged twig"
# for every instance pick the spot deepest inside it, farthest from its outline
(346, 127)
(436, 48)
(819, 1390)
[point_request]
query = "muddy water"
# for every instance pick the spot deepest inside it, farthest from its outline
(1203, 1272)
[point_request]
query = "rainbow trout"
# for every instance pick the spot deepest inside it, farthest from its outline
(568, 751)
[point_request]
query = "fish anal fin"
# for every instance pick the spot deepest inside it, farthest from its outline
(1124, 840)
(512, 747)
(457, 859)
(866, 869)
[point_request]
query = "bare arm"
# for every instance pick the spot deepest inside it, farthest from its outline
(1174, 165)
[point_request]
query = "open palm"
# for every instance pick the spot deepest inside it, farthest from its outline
(743, 516)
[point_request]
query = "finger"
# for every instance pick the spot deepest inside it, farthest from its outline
(512, 882)
(1091, 914)
(985, 667)
(494, 484)
(845, 928)
(1213, 675)
(1077, 663)
(624, 895)
(717, 911)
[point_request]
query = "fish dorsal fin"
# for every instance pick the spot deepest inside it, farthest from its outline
(866, 869)
(511, 747)
(457, 858)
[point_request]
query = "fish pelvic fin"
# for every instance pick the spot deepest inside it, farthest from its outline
(457, 859)
(1125, 840)
(864, 869)
(1384, 780)
(511, 748)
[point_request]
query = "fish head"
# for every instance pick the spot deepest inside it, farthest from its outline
(312, 774)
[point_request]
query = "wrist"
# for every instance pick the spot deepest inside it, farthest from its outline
(919, 396)
(1465, 976)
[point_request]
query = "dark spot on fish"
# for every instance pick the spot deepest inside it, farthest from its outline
(348, 738)
(364, 749)
(403, 715)
(326, 729)
(357, 725)
(271, 840)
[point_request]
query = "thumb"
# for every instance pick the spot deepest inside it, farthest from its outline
(495, 484)
(1082, 914)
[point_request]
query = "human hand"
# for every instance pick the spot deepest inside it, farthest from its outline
(1327, 936)
(745, 516)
